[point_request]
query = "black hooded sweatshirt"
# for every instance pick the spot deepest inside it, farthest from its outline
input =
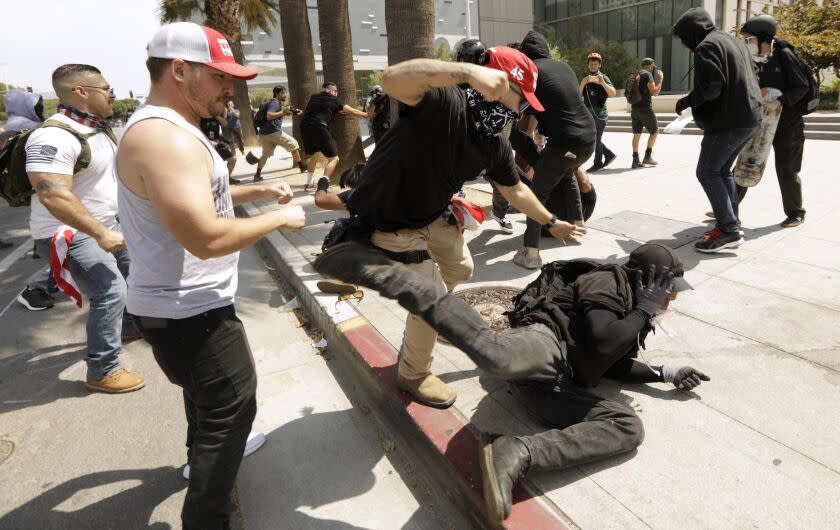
(566, 121)
(725, 94)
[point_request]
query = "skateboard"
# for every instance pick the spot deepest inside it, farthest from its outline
(753, 158)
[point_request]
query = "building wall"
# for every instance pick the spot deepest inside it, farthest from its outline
(505, 21)
(369, 34)
(642, 26)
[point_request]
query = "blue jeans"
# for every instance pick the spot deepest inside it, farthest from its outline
(100, 277)
(718, 152)
(602, 153)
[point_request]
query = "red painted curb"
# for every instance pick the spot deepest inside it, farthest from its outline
(448, 432)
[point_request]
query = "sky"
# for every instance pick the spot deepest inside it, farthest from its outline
(36, 36)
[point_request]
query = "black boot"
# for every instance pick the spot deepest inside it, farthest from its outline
(636, 163)
(503, 463)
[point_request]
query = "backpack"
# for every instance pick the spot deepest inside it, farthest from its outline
(811, 100)
(539, 294)
(15, 186)
(632, 90)
(261, 117)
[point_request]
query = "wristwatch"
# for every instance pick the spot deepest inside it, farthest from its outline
(551, 222)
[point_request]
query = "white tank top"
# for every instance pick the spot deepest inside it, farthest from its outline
(165, 280)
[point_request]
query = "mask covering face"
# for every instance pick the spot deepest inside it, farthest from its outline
(490, 117)
(752, 47)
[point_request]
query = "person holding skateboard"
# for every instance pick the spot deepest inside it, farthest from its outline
(777, 68)
(726, 104)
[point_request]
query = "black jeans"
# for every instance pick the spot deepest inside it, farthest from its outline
(584, 427)
(209, 358)
(788, 144)
(556, 170)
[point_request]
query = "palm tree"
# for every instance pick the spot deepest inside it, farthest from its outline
(337, 54)
(411, 29)
(224, 16)
(298, 54)
(411, 34)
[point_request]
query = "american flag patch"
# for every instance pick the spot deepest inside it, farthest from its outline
(41, 154)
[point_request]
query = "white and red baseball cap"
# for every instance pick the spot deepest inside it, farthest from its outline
(520, 70)
(198, 44)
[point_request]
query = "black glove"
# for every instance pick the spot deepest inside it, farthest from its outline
(657, 289)
(682, 104)
(683, 377)
(323, 184)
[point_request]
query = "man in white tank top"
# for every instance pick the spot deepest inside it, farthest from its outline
(176, 209)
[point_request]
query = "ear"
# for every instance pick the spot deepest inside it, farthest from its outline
(178, 69)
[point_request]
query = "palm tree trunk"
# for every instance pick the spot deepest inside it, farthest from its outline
(411, 34)
(299, 57)
(223, 16)
(411, 29)
(337, 54)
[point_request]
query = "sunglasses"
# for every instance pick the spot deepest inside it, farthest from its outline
(358, 295)
(109, 89)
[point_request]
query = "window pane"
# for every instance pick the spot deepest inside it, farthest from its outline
(614, 26)
(645, 21)
(562, 8)
(601, 27)
(586, 6)
(664, 17)
(628, 24)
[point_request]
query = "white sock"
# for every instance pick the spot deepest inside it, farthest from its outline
(309, 177)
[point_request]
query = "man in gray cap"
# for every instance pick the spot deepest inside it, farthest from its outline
(576, 323)
(642, 114)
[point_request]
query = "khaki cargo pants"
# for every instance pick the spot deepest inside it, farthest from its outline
(451, 264)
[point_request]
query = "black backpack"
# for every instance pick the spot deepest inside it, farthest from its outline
(540, 294)
(811, 100)
(15, 186)
(261, 117)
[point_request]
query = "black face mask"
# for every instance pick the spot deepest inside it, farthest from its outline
(490, 117)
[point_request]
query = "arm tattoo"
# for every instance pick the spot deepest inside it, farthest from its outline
(47, 185)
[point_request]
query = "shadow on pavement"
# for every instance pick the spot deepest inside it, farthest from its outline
(308, 464)
(31, 378)
(129, 508)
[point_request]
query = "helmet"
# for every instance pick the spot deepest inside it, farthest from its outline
(762, 26)
(596, 56)
(377, 89)
(471, 51)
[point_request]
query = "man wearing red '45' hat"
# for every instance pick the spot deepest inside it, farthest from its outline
(449, 131)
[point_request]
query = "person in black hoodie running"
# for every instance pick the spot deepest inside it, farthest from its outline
(570, 129)
(577, 323)
(777, 68)
(726, 103)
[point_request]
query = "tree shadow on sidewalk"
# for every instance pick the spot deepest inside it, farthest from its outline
(129, 508)
(31, 378)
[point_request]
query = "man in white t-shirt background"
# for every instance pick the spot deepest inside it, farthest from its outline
(75, 186)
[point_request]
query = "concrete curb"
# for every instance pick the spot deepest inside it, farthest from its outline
(442, 439)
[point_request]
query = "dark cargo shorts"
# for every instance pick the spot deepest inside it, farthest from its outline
(643, 118)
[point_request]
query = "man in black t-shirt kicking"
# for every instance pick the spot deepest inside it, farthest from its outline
(317, 140)
(642, 115)
(447, 134)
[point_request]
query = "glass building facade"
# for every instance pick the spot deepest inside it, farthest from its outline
(643, 27)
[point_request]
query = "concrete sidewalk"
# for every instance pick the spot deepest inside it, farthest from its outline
(759, 445)
(86, 460)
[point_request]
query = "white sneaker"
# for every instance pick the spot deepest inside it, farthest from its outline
(254, 442)
(504, 224)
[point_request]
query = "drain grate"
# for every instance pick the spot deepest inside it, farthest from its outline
(491, 303)
(6, 449)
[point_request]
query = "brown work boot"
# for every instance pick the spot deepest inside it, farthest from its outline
(117, 382)
(429, 390)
